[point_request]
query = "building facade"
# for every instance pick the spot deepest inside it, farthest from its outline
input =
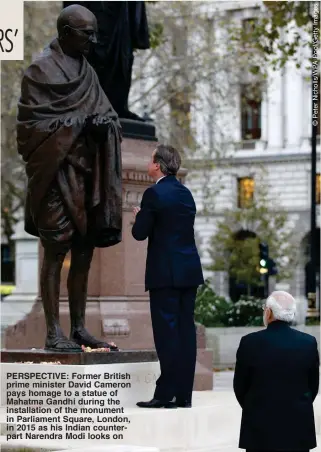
(261, 139)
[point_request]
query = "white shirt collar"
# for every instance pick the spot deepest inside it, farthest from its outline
(160, 179)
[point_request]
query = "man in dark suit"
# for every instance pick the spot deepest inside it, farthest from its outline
(276, 381)
(173, 273)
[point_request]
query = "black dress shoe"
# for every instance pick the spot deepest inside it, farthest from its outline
(154, 403)
(183, 403)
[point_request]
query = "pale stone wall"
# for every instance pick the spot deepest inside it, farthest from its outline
(225, 341)
(283, 153)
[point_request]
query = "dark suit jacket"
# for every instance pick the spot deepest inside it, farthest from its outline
(167, 218)
(276, 381)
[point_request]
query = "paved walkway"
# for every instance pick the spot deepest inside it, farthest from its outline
(211, 426)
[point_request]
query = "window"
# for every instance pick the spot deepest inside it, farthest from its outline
(318, 189)
(7, 264)
(251, 112)
(248, 25)
(5, 254)
(245, 192)
(181, 130)
(249, 33)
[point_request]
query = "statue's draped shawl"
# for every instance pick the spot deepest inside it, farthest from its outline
(50, 133)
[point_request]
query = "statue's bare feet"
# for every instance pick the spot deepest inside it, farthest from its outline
(61, 344)
(82, 337)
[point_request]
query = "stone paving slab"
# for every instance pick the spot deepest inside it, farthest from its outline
(212, 425)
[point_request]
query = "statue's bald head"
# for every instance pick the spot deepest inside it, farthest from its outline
(77, 28)
(75, 16)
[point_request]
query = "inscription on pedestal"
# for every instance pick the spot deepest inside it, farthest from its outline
(116, 327)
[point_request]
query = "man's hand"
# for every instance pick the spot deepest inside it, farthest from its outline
(145, 217)
(135, 211)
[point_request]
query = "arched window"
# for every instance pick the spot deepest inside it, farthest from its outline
(239, 288)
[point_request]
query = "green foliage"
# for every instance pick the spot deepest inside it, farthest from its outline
(276, 35)
(211, 310)
(156, 30)
(312, 321)
(6, 289)
(240, 258)
(246, 312)
(244, 258)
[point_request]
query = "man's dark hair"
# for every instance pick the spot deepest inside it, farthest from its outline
(168, 158)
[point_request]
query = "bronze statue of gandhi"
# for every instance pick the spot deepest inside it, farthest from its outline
(69, 136)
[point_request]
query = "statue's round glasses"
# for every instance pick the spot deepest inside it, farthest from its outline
(90, 34)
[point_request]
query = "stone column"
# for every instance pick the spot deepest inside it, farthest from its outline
(122, 305)
(294, 119)
(275, 111)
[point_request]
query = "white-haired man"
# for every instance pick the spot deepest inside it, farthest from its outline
(276, 381)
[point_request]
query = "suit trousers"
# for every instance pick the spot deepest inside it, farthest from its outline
(172, 313)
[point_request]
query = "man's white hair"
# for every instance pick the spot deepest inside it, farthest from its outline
(282, 304)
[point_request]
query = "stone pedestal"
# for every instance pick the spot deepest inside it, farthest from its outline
(26, 257)
(15, 306)
(35, 356)
(118, 306)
